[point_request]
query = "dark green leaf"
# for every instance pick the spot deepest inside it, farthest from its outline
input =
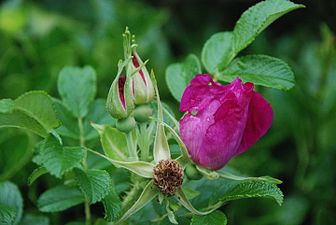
(77, 87)
(217, 51)
(97, 114)
(56, 158)
(253, 21)
(36, 174)
(95, 184)
(14, 154)
(7, 215)
(215, 218)
(11, 201)
(69, 127)
(222, 190)
(261, 70)
(179, 75)
(112, 205)
(59, 198)
(31, 219)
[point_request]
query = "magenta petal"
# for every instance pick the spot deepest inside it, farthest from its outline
(259, 120)
(201, 90)
(221, 121)
(194, 127)
(224, 135)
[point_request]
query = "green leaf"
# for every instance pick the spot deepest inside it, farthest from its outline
(20, 120)
(260, 70)
(95, 184)
(59, 198)
(38, 105)
(11, 201)
(7, 215)
(113, 141)
(217, 51)
(215, 218)
(251, 189)
(146, 196)
(97, 114)
(69, 127)
(14, 154)
(33, 111)
(77, 87)
(253, 21)
(112, 205)
(30, 219)
(178, 75)
(6, 105)
(141, 168)
(56, 158)
(222, 190)
(36, 174)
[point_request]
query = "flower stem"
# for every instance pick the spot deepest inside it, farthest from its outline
(144, 142)
(84, 162)
(132, 151)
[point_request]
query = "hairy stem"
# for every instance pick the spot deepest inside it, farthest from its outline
(84, 162)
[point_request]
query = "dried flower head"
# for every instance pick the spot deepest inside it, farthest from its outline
(168, 176)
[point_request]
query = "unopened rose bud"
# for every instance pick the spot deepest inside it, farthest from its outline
(126, 125)
(143, 89)
(119, 100)
(142, 113)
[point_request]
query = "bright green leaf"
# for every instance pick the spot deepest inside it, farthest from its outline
(77, 87)
(113, 141)
(178, 75)
(260, 70)
(11, 201)
(6, 105)
(32, 111)
(215, 218)
(38, 105)
(253, 21)
(217, 51)
(56, 158)
(59, 198)
(95, 184)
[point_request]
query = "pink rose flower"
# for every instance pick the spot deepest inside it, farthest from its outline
(222, 121)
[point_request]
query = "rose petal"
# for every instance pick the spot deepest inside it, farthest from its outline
(259, 120)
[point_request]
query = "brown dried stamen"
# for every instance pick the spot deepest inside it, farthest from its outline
(168, 176)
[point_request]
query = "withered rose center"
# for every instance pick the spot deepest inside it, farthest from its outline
(168, 176)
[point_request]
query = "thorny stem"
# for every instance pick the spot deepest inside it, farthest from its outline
(82, 144)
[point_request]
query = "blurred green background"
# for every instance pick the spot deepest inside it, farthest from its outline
(38, 38)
